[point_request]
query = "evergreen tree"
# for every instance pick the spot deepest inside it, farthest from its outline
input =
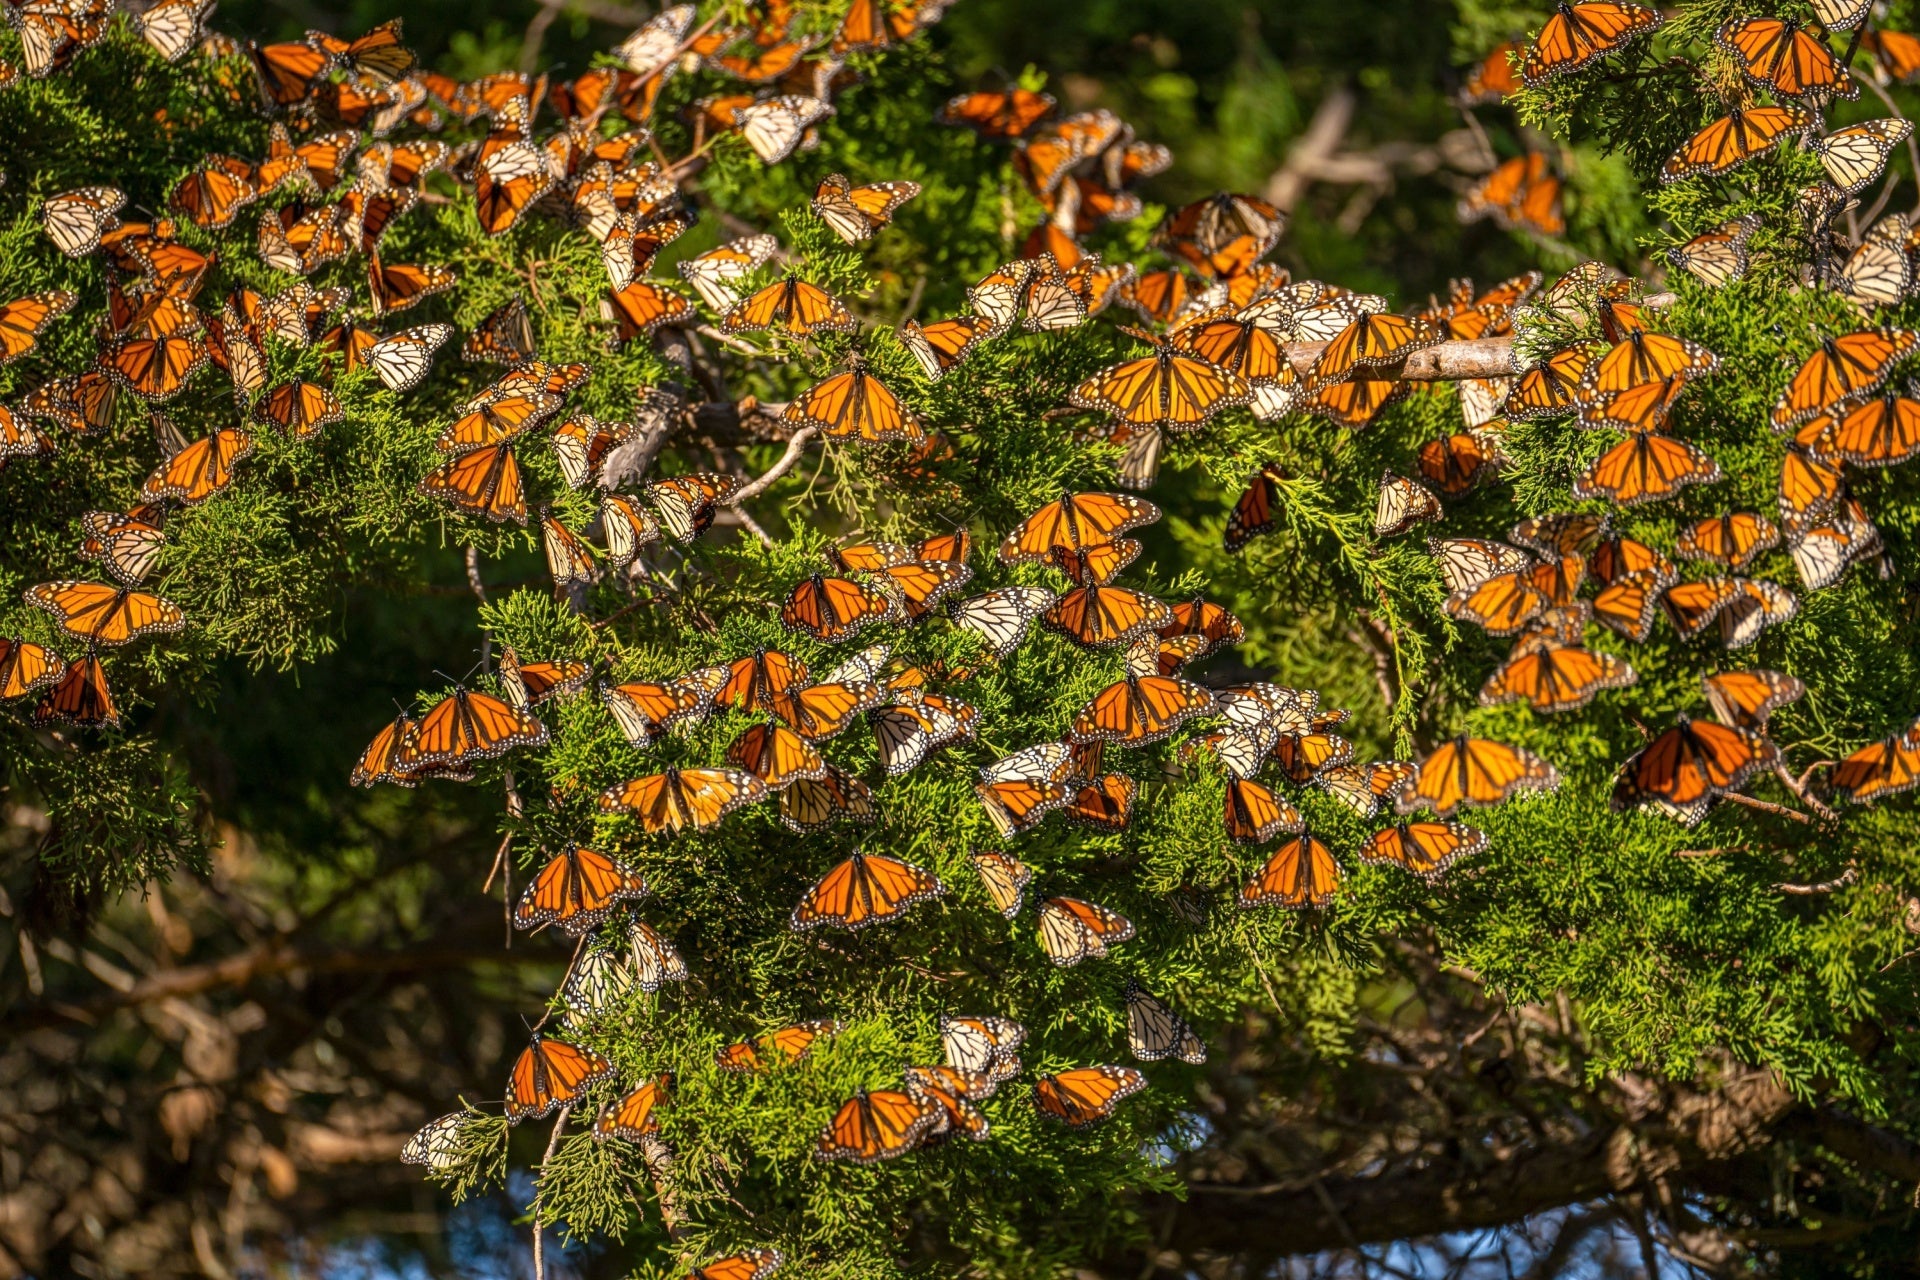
(1720, 974)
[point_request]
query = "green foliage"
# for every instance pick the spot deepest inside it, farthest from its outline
(1670, 959)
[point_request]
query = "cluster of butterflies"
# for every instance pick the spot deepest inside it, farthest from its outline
(1790, 59)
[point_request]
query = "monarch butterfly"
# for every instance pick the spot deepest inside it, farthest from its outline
(1734, 541)
(1426, 849)
(908, 733)
(532, 683)
(1879, 273)
(483, 482)
(714, 273)
(678, 799)
(1001, 617)
(1842, 371)
(1629, 602)
(864, 890)
(1215, 222)
(644, 710)
(299, 409)
(1493, 77)
(1822, 552)
(834, 609)
(855, 213)
(377, 763)
(632, 243)
(1718, 257)
(1104, 803)
(753, 683)
(74, 220)
(1782, 56)
(22, 319)
(503, 336)
(1745, 699)
(1473, 771)
(385, 165)
(1456, 464)
(215, 192)
(631, 1115)
(317, 162)
(378, 51)
(1072, 930)
(1879, 433)
(1635, 408)
(1155, 1032)
(794, 307)
(550, 1074)
(126, 544)
(882, 1125)
(1555, 678)
(1021, 789)
(81, 697)
(1046, 158)
(1810, 485)
(953, 1092)
(1640, 358)
(985, 1045)
(1370, 341)
(1577, 34)
(686, 503)
(1522, 193)
(754, 1264)
(810, 805)
(402, 360)
(1209, 621)
(1362, 788)
(27, 668)
(1465, 563)
(1550, 388)
(569, 558)
(103, 615)
(1085, 1096)
(154, 368)
(1143, 708)
(855, 406)
(576, 890)
(402, 285)
(1096, 616)
(602, 977)
(1300, 873)
(1075, 521)
(1743, 607)
(656, 961)
(1251, 352)
(1854, 156)
(1252, 513)
(1403, 503)
(1158, 296)
(997, 115)
(1734, 139)
(1006, 879)
(1645, 468)
(463, 727)
(786, 1045)
(198, 471)
(437, 1144)
(776, 755)
(944, 344)
(1897, 53)
(643, 306)
(1255, 815)
(511, 175)
(1880, 769)
(1841, 15)
(1684, 770)
(1167, 388)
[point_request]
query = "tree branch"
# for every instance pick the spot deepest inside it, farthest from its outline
(1684, 1130)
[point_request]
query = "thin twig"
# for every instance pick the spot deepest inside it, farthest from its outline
(499, 856)
(1714, 852)
(539, 1242)
(1799, 789)
(796, 445)
(1840, 881)
(1767, 806)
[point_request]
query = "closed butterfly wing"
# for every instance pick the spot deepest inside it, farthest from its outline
(1072, 930)
(810, 805)
(1156, 1032)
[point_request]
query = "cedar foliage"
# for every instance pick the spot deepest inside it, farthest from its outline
(1671, 961)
